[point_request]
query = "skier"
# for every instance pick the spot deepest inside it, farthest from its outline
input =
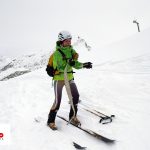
(64, 54)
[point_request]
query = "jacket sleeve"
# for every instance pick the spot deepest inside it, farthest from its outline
(78, 65)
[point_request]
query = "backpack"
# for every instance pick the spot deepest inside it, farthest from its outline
(50, 70)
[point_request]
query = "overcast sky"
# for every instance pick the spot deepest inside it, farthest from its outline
(31, 25)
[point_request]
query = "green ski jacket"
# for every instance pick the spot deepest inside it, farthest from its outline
(59, 63)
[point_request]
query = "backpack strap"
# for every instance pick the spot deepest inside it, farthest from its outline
(64, 56)
(62, 53)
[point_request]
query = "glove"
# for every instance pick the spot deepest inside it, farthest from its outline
(87, 65)
(71, 62)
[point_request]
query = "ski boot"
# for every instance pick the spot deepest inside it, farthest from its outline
(75, 121)
(52, 126)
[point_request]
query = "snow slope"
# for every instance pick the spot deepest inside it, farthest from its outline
(116, 85)
(133, 46)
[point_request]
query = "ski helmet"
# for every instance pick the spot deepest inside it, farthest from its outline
(63, 35)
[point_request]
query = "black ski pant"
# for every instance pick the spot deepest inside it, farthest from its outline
(58, 86)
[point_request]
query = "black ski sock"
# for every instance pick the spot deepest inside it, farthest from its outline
(51, 117)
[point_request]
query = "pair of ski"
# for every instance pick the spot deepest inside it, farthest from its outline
(90, 132)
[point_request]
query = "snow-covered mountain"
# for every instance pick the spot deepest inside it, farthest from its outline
(22, 64)
(118, 83)
(4, 61)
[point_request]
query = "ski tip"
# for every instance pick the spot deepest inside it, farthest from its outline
(104, 139)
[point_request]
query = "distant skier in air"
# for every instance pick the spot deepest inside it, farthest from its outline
(63, 55)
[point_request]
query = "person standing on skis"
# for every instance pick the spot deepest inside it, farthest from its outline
(64, 54)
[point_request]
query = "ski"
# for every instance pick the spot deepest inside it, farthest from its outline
(90, 132)
(68, 89)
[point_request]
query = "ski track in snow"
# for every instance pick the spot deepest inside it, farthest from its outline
(30, 96)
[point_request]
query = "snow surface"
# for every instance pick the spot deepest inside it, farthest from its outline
(118, 84)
